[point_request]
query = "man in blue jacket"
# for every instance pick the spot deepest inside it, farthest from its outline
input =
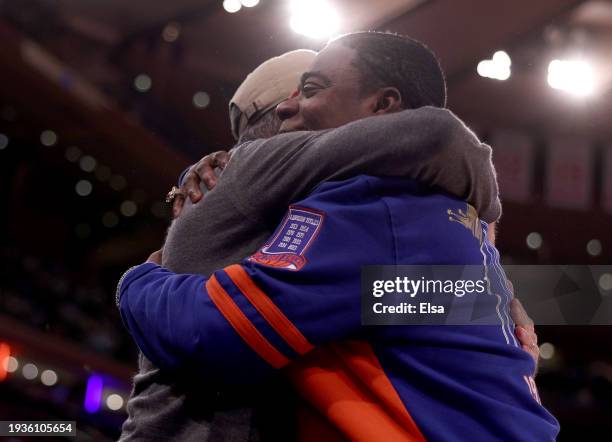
(299, 294)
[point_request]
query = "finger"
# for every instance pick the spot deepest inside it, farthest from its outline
(519, 315)
(177, 205)
(532, 352)
(522, 335)
(224, 159)
(191, 187)
(206, 172)
(220, 159)
(523, 312)
(526, 337)
(155, 257)
(528, 342)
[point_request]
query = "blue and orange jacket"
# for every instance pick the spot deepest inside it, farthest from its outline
(295, 305)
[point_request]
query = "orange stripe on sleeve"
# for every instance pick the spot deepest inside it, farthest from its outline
(270, 312)
(243, 326)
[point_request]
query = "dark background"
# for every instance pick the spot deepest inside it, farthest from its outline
(88, 150)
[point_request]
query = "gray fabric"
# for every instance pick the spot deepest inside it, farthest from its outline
(162, 409)
(429, 144)
(240, 213)
(157, 407)
(152, 406)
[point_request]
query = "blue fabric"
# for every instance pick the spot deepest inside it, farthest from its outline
(182, 176)
(256, 319)
(456, 382)
(177, 326)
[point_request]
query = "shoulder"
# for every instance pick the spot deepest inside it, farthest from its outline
(427, 224)
(367, 187)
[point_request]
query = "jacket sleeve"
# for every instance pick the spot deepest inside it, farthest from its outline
(183, 174)
(251, 318)
(429, 144)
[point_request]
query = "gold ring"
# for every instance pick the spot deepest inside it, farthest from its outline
(174, 192)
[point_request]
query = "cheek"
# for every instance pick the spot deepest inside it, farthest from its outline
(326, 111)
(314, 113)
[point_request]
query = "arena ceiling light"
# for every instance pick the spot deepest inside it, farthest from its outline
(313, 18)
(232, 6)
(574, 76)
(497, 68)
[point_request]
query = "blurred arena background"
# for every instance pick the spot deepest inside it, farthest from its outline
(103, 103)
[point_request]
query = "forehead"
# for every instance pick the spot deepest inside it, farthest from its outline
(335, 62)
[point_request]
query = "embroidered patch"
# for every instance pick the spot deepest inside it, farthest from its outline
(469, 219)
(291, 240)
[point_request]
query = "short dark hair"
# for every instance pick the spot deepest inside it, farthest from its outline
(385, 59)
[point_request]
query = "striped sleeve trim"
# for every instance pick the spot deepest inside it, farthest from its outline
(243, 326)
(268, 310)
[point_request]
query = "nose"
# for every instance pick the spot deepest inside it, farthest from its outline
(288, 108)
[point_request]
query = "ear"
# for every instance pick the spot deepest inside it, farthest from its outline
(388, 100)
